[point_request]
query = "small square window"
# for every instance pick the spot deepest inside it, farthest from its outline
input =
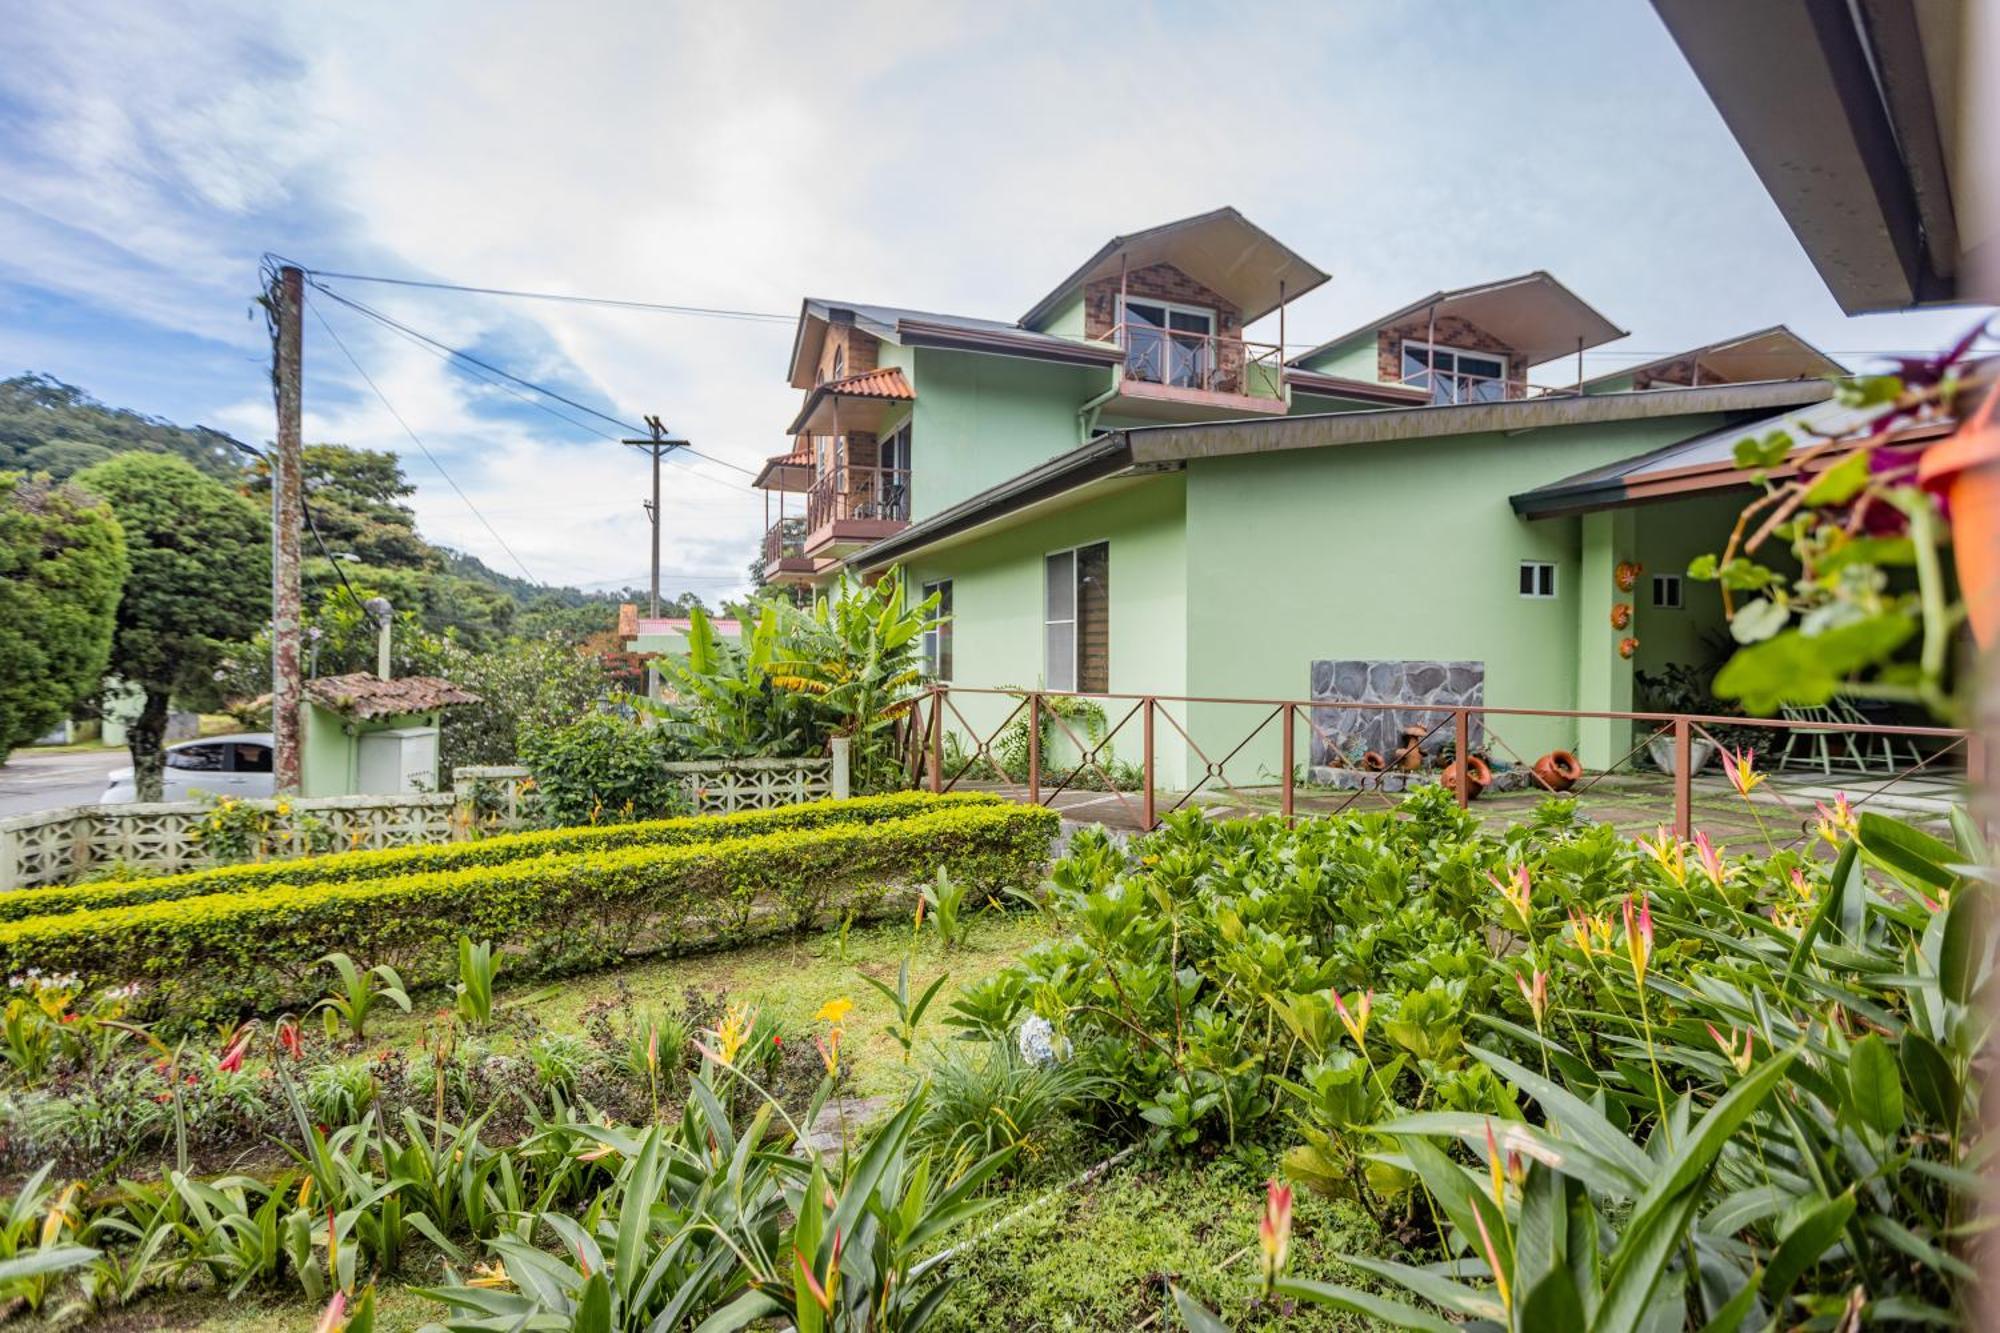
(1667, 591)
(1538, 578)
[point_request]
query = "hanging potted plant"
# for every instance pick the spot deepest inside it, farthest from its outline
(1679, 688)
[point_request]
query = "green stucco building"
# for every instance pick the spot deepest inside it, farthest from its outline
(1124, 492)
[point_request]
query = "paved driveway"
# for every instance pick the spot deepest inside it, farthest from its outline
(33, 780)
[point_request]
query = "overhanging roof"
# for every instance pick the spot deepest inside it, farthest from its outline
(1222, 250)
(1367, 391)
(1848, 114)
(1533, 314)
(786, 472)
(869, 395)
(1775, 353)
(1704, 462)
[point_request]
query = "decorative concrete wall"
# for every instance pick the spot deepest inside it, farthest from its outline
(1340, 736)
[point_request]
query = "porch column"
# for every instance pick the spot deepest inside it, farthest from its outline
(1603, 678)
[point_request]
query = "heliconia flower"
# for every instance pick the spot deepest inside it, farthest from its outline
(1671, 855)
(1356, 1021)
(653, 1050)
(1493, 1261)
(1741, 767)
(1639, 935)
(490, 1275)
(829, 1050)
(1536, 994)
(332, 1243)
(58, 1216)
(1515, 889)
(1274, 1230)
(1836, 821)
(822, 1295)
(305, 1193)
(335, 1316)
(1741, 1060)
(1710, 857)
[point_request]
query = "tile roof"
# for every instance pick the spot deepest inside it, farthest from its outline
(886, 382)
(366, 695)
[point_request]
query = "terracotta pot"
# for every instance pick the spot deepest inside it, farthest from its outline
(1626, 576)
(1621, 615)
(1478, 777)
(1411, 755)
(1373, 761)
(1557, 770)
(1966, 469)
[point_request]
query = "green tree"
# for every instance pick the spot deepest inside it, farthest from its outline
(49, 426)
(62, 565)
(357, 498)
(200, 581)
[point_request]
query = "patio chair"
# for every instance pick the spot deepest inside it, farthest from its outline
(1814, 746)
(1870, 753)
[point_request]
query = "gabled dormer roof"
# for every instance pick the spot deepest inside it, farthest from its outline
(1533, 314)
(1222, 250)
(1775, 353)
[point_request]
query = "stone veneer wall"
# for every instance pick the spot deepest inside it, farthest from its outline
(1451, 332)
(1161, 282)
(1340, 736)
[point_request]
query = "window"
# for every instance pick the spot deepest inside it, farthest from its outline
(198, 758)
(1076, 629)
(893, 477)
(1538, 578)
(839, 362)
(1169, 344)
(1667, 591)
(937, 639)
(1454, 376)
(251, 758)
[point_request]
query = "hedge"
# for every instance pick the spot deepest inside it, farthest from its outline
(231, 954)
(354, 867)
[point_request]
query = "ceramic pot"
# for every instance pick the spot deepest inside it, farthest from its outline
(1661, 749)
(1965, 469)
(1478, 777)
(1373, 761)
(1557, 770)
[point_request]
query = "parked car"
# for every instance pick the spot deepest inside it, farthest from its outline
(237, 765)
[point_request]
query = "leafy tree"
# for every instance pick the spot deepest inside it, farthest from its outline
(62, 565)
(356, 498)
(199, 581)
(49, 426)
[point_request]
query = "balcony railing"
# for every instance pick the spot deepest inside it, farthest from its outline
(786, 540)
(1205, 362)
(1447, 386)
(851, 492)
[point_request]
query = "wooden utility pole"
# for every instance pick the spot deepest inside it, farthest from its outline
(658, 445)
(287, 305)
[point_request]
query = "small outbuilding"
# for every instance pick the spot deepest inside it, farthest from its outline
(363, 734)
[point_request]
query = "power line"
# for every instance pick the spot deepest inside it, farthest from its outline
(424, 448)
(470, 359)
(707, 312)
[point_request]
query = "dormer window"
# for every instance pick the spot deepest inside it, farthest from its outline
(1453, 375)
(839, 363)
(1167, 343)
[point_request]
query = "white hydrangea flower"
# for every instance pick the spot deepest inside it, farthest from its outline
(1039, 1043)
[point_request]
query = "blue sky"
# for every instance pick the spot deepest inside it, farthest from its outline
(946, 156)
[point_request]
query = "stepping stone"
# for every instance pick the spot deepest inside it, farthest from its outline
(849, 1113)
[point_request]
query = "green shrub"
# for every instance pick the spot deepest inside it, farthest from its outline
(257, 951)
(352, 867)
(603, 770)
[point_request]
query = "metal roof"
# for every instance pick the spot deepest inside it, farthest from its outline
(1533, 314)
(1763, 350)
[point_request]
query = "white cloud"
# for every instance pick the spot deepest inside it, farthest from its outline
(949, 156)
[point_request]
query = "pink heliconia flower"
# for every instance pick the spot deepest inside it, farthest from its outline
(1274, 1230)
(1740, 765)
(1355, 1021)
(1639, 934)
(335, 1316)
(1535, 993)
(1710, 857)
(1740, 1059)
(1516, 889)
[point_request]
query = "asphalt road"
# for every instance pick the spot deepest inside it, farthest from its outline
(33, 780)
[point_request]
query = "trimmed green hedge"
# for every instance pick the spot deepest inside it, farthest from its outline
(355, 867)
(229, 954)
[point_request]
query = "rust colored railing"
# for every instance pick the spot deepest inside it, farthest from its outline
(1211, 363)
(784, 540)
(849, 491)
(947, 749)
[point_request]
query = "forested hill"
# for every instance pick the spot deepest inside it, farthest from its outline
(48, 426)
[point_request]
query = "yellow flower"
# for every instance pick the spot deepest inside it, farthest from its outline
(734, 1032)
(834, 1011)
(284, 809)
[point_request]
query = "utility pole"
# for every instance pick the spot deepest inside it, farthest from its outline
(286, 302)
(658, 444)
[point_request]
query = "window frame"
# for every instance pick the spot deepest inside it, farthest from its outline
(937, 639)
(1505, 360)
(1673, 582)
(1537, 595)
(1203, 358)
(1075, 619)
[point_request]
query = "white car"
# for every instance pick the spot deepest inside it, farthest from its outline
(238, 765)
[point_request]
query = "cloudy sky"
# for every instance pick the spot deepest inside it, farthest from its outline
(941, 155)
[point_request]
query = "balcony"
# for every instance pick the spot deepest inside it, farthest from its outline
(852, 507)
(1167, 372)
(1446, 387)
(785, 558)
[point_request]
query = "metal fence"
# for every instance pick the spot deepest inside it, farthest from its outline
(1153, 754)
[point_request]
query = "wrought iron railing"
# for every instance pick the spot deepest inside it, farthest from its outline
(1154, 754)
(1448, 386)
(851, 492)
